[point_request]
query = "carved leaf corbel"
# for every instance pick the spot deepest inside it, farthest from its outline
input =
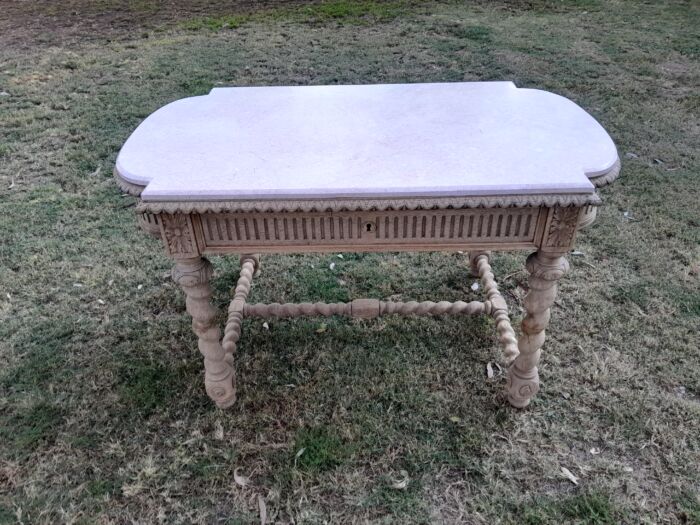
(562, 227)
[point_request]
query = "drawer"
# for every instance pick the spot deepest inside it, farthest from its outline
(385, 230)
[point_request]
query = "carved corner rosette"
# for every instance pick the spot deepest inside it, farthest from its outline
(561, 227)
(178, 235)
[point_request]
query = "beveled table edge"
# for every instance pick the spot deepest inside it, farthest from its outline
(126, 186)
(603, 179)
(371, 204)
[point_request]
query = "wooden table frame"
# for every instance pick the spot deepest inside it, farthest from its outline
(546, 223)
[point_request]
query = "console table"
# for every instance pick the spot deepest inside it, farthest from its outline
(473, 166)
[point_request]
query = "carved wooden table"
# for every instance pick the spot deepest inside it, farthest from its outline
(457, 166)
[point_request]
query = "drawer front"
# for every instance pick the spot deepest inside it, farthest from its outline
(379, 230)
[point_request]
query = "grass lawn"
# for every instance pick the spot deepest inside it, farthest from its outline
(103, 415)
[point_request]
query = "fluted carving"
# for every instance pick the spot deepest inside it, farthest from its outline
(545, 271)
(149, 223)
(193, 276)
(588, 215)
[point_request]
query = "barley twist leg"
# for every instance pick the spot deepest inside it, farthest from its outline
(479, 262)
(474, 262)
(545, 271)
(193, 277)
(250, 267)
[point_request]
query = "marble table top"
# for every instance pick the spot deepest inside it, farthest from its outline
(391, 140)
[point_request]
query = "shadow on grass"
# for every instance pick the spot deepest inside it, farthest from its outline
(589, 508)
(30, 427)
(150, 387)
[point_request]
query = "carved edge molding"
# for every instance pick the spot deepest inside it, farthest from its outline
(127, 187)
(608, 177)
(348, 205)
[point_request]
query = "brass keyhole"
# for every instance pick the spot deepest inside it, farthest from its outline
(369, 227)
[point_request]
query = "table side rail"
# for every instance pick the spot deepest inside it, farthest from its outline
(400, 230)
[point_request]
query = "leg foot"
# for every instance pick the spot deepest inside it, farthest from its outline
(545, 271)
(193, 277)
(522, 386)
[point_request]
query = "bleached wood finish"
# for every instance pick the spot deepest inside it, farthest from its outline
(392, 230)
(149, 223)
(495, 306)
(545, 270)
(499, 308)
(193, 276)
(588, 215)
(548, 230)
(366, 309)
(232, 332)
(394, 168)
(401, 229)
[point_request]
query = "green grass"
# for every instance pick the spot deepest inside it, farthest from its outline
(354, 11)
(149, 387)
(31, 426)
(588, 509)
(318, 449)
(103, 415)
(99, 488)
(350, 12)
(476, 33)
(689, 504)
(6, 515)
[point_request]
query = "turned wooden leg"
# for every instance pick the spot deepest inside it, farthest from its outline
(193, 276)
(545, 270)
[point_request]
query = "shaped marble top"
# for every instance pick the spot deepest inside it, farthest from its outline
(390, 140)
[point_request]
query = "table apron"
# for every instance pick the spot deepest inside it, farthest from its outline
(400, 230)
